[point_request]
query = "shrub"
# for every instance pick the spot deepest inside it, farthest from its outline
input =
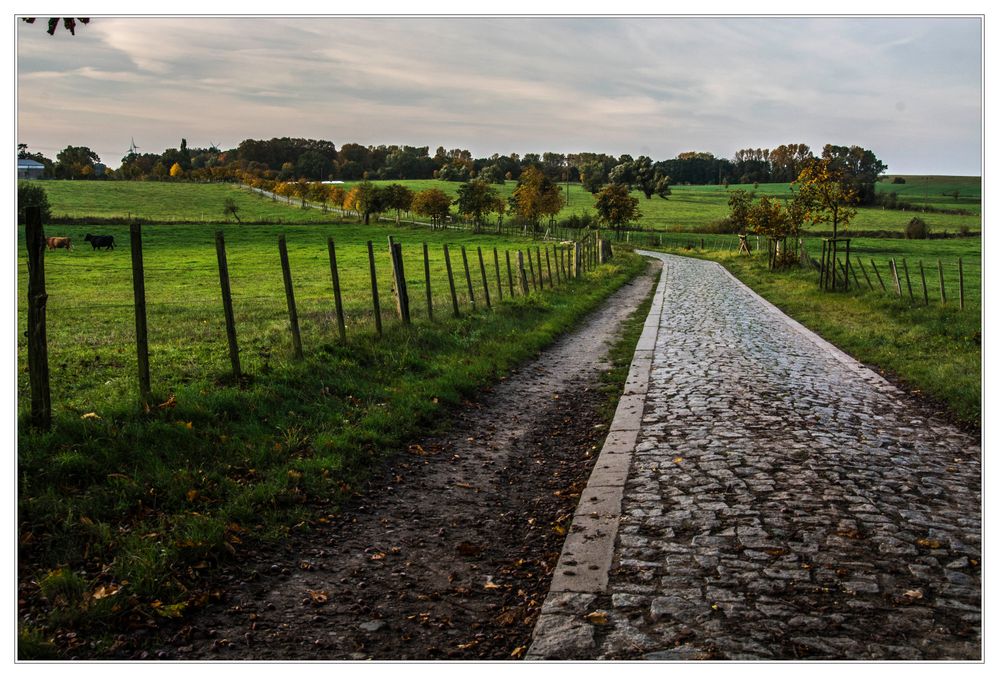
(898, 180)
(30, 194)
(725, 225)
(917, 229)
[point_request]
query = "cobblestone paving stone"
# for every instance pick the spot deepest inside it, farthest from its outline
(783, 502)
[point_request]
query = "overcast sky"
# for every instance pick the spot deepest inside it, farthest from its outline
(907, 88)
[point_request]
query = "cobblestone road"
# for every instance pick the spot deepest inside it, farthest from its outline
(781, 502)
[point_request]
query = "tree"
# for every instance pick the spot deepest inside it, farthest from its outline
(230, 208)
(398, 198)
(433, 203)
(858, 170)
(72, 161)
(593, 175)
(69, 23)
(739, 203)
(319, 192)
(176, 171)
(301, 189)
(535, 196)
(367, 199)
(825, 193)
(477, 198)
(31, 194)
(615, 206)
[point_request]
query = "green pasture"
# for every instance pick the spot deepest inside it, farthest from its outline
(689, 208)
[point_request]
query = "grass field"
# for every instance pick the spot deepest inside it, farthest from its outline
(690, 208)
(114, 499)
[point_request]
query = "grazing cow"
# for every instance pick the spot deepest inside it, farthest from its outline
(55, 243)
(99, 241)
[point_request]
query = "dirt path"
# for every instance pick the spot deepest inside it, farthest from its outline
(450, 553)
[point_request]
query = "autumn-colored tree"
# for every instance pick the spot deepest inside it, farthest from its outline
(367, 199)
(433, 203)
(739, 203)
(285, 190)
(615, 206)
(477, 198)
(768, 217)
(825, 194)
(337, 196)
(319, 192)
(176, 171)
(536, 196)
(301, 189)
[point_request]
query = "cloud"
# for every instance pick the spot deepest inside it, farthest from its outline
(513, 84)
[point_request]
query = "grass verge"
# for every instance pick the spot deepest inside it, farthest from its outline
(123, 518)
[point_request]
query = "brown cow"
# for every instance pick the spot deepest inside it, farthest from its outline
(55, 243)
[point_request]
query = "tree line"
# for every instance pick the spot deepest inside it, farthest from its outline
(289, 159)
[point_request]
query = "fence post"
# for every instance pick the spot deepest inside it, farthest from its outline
(450, 282)
(530, 266)
(485, 282)
(943, 294)
(548, 261)
(139, 290)
(230, 319)
(374, 288)
(289, 292)
(38, 349)
(574, 262)
(960, 281)
(337, 298)
(509, 273)
(878, 274)
(426, 275)
(541, 275)
(522, 274)
(905, 267)
(468, 277)
(864, 271)
(894, 272)
(499, 278)
(922, 274)
(399, 278)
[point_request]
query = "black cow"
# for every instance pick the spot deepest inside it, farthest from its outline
(99, 241)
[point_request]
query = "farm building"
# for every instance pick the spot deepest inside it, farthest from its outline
(29, 169)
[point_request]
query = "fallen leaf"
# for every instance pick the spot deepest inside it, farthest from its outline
(929, 543)
(378, 556)
(598, 618)
(489, 585)
(677, 460)
(106, 591)
(914, 594)
(169, 611)
(192, 495)
(319, 597)
(170, 402)
(90, 415)
(518, 651)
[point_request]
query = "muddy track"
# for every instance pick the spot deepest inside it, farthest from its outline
(449, 553)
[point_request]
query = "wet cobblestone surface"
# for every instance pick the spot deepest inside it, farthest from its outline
(783, 502)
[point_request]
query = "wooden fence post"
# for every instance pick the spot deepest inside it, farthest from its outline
(139, 290)
(499, 278)
(468, 277)
(530, 265)
(450, 282)
(289, 292)
(922, 274)
(509, 273)
(426, 276)
(905, 267)
(522, 274)
(558, 278)
(943, 293)
(864, 271)
(230, 318)
(38, 349)
(374, 289)
(960, 282)
(878, 274)
(337, 298)
(485, 281)
(541, 275)
(399, 278)
(894, 273)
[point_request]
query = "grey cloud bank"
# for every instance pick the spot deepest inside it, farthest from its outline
(908, 88)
